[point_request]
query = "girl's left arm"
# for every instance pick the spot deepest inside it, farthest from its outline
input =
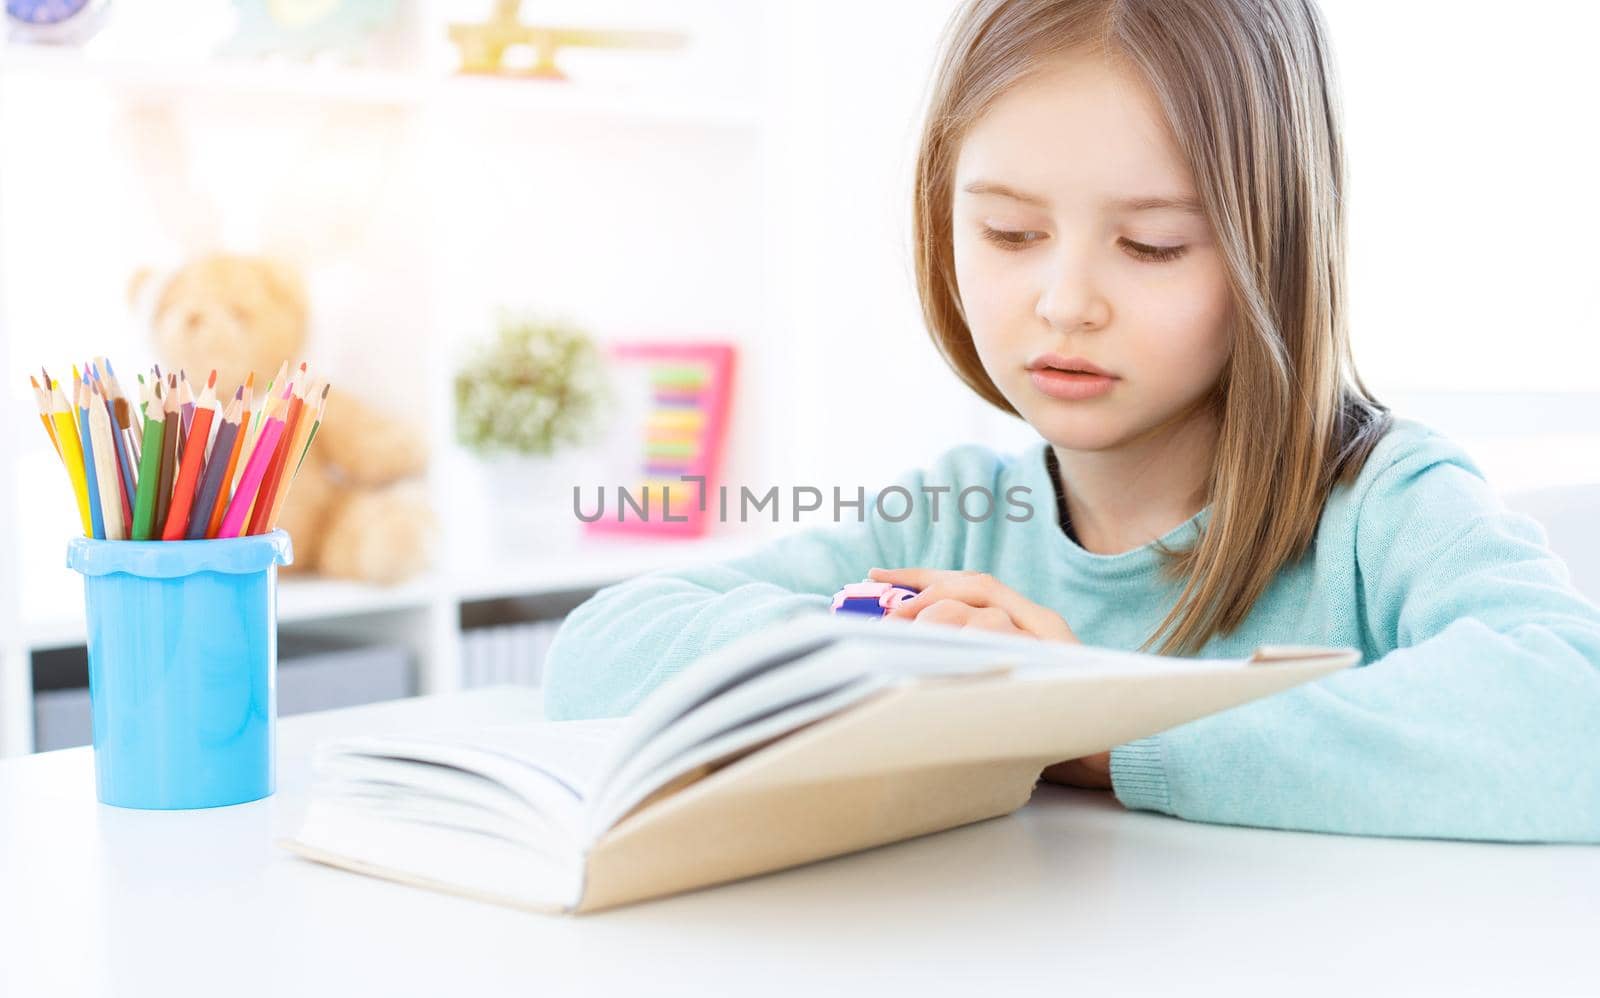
(1482, 722)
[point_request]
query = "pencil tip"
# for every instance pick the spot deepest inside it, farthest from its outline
(238, 394)
(212, 380)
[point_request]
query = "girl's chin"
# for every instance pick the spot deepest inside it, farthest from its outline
(1079, 431)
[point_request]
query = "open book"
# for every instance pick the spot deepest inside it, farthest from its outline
(816, 737)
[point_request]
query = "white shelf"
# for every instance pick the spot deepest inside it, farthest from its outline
(375, 88)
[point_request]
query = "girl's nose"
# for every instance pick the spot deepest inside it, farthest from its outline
(1071, 300)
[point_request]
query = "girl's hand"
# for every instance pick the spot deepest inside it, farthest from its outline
(972, 599)
(982, 602)
(1092, 772)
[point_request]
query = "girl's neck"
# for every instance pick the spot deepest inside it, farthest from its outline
(1122, 499)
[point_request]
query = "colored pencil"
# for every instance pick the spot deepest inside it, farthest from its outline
(171, 421)
(61, 415)
(127, 421)
(186, 401)
(255, 468)
(90, 465)
(230, 474)
(316, 421)
(217, 467)
(267, 499)
(41, 399)
(191, 465)
(105, 460)
(275, 380)
(120, 465)
(144, 509)
(298, 434)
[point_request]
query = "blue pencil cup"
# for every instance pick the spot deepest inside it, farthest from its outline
(183, 649)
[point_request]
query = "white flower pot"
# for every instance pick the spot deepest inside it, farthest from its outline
(530, 499)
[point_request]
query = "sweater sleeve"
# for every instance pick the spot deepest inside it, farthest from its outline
(631, 637)
(1480, 719)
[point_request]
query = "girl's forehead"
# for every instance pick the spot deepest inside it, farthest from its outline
(1078, 129)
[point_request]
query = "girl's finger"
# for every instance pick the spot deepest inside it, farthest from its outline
(954, 613)
(946, 611)
(916, 578)
(977, 589)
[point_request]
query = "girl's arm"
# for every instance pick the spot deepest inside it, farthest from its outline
(630, 637)
(1481, 721)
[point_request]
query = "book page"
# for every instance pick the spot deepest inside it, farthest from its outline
(551, 766)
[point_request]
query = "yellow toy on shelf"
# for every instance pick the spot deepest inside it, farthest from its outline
(484, 45)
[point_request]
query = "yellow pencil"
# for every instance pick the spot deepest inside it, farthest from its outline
(64, 417)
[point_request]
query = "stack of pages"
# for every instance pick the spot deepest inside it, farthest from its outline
(814, 738)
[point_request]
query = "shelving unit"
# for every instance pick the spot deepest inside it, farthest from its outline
(424, 614)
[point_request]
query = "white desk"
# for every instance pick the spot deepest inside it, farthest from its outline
(1071, 895)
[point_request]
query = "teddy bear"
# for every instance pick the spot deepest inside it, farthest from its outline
(357, 510)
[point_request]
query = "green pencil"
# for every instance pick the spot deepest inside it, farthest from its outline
(144, 506)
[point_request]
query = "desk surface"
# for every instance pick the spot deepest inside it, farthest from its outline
(1070, 894)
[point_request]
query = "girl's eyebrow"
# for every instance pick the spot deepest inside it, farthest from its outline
(1186, 203)
(1001, 190)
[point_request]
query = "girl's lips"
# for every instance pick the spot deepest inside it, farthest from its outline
(1070, 385)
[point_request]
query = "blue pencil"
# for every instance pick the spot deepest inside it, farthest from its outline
(88, 465)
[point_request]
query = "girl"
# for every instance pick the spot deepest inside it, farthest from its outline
(1150, 192)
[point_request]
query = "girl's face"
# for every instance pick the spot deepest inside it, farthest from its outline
(1078, 233)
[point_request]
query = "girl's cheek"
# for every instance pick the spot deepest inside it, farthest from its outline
(994, 289)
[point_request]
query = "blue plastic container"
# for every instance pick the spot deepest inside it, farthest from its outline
(183, 650)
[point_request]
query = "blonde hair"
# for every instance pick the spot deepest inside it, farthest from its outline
(1248, 91)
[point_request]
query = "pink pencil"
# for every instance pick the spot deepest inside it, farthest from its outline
(239, 505)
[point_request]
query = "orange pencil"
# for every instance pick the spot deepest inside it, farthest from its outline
(252, 426)
(233, 457)
(194, 457)
(296, 448)
(41, 398)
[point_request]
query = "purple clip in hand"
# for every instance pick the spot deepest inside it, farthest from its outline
(870, 599)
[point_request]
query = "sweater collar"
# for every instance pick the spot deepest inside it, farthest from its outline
(1033, 471)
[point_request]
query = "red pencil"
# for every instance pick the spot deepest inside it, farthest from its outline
(194, 456)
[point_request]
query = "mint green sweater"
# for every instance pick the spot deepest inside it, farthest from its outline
(1475, 712)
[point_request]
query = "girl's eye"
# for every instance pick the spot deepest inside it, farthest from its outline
(1010, 239)
(1153, 254)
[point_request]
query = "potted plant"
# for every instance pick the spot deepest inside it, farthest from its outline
(527, 402)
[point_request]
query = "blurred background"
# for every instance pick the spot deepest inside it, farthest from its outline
(500, 229)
